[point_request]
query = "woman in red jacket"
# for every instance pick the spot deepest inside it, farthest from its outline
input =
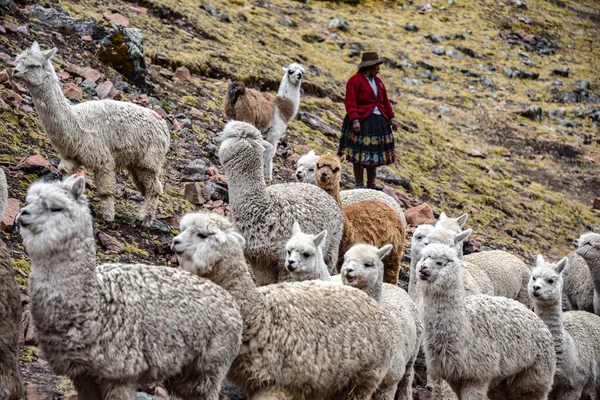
(367, 140)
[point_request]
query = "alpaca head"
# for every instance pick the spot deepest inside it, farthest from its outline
(439, 265)
(34, 66)
(294, 74)
(363, 266)
(448, 237)
(588, 247)
(546, 282)
(417, 243)
(55, 212)
(305, 170)
(453, 224)
(242, 146)
(304, 253)
(329, 171)
(205, 240)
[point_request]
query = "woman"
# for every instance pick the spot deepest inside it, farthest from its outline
(367, 139)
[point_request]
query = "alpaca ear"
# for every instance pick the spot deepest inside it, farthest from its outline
(539, 260)
(49, 54)
(285, 69)
(239, 239)
(320, 238)
(266, 145)
(462, 236)
(343, 158)
(77, 185)
(35, 46)
(562, 265)
(462, 219)
(384, 251)
(296, 228)
(443, 216)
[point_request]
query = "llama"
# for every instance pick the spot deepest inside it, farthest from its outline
(113, 327)
(576, 334)
(270, 114)
(481, 344)
(370, 222)
(102, 135)
(301, 340)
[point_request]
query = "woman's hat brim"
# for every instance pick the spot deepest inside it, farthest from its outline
(369, 63)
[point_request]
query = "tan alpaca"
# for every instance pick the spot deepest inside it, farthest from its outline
(370, 221)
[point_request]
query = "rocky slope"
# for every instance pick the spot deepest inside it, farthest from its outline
(499, 103)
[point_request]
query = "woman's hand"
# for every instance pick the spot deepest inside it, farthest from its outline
(395, 125)
(356, 126)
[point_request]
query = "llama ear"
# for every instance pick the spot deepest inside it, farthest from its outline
(77, 183)
(35, 46)
(320, 238)
(539, 260)
(462, 236)
(239, 239)
(561, 265)
(296, 228)
(49, 54)
(462, 219)
(343, 158)
(384, 251)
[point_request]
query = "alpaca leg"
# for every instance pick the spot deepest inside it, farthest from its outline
(473, 391)
(117, 391)
(10, 382)
(441, 390)
(67, 167)
(87, 388)
(404, 391)
(106, 183)
(151, 189)
(268, 159)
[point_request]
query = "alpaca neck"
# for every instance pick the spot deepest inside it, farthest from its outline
(447, 328)
(593, 261)
(375, 290)
(334, 191)
(288, 91)
(552, 317)
(412, 279)
(246, 184)
(54, 110)
(321, 270)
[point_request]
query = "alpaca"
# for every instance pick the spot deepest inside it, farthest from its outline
(363, 269)
(304, 255)
(113, 327)
(102, 136)
(370, 222)
(305, 173)
(576, 334)
(302, 340)
(265, 215)
(270, 114)
(578, 288)
(588, 247)
(10, 317)
(481, 344)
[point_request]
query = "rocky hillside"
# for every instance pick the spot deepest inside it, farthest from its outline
(499, 103)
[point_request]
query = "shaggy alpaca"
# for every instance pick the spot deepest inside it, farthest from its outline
(10, 317)
(471, 341)
(302, 340)
(363, 269)
(370, 222)
(576, 335)
(588, 247)
(265, 215)
(112, 327)
(102, 136)
(270, 114)
(305, 172)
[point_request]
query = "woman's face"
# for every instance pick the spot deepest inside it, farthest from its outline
(373, 70)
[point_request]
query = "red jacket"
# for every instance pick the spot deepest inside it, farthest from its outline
(360, 99)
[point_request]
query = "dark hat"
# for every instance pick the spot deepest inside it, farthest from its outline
(369, 58)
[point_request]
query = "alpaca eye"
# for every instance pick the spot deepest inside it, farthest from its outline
(551, 281)
(419, 237)
(369, 265)
(290, 72)
(306, 255)
(202, 235)
(56, 209)
(335, 169)
(439, 263)
(311, 169)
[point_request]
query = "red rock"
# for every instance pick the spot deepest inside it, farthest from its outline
(405, 200)
(490, 171)
(72, 91)
(39, 392)
(70, 395)
(194, 113)
(9, 27)
(192, 192)
(10, 213)
(92, 74)
(390, 192)
(219, 179)
(141, 10)
(161, 393)
(75, 70)
(34, 161)
(476, 153)
(528, 38)
(63, 75)
(176, 125)
(110, 243)
(4, 75)
(218, 203)
(183, 73)
(162, 113)
(527, 194)
(15, 86)
(116, 18)
(103, 89)
(15, 96)
(421, 214)
(86, 38)
(5, 57)
(589, 160)
(219, 211)
(596, 205)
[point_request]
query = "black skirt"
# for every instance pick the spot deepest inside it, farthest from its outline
(372, 146)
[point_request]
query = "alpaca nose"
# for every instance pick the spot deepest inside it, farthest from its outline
(576, 243)
(299, 75)
(349, 272)
(20, 220)
(291, 265)
(175, 243)
(424, 272)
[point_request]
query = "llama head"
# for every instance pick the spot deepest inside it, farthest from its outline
(55, 212)
(546, 282)
(205, 240)
(34, 66)
(447, 237)
(329, 171)
(363, 266)
(453, 224)
(588, 247)
(305, 169)
(294, 74)
(439, 266)
(304, 253)
(242, 143)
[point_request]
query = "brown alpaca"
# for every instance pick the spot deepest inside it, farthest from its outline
(371, 221)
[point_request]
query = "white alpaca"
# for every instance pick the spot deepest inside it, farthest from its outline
(576, 334)
(102, 136)
(271, 115)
